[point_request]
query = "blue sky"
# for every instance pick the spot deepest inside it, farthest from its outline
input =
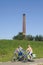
(11, 17)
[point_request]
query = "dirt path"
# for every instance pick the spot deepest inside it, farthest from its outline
(36, 61)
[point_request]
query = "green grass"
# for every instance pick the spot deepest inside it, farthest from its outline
(7, 48)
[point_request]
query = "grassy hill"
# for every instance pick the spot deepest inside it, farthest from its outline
(7, 48)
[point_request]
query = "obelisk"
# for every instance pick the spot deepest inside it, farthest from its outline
(24, 25)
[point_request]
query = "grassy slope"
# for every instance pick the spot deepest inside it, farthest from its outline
(7, 48)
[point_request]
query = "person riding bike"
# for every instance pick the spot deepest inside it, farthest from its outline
(29, 51)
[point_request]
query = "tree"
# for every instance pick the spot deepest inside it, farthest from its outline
(29, 37)
(36, 38)
(20, 36)
(39, 38)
